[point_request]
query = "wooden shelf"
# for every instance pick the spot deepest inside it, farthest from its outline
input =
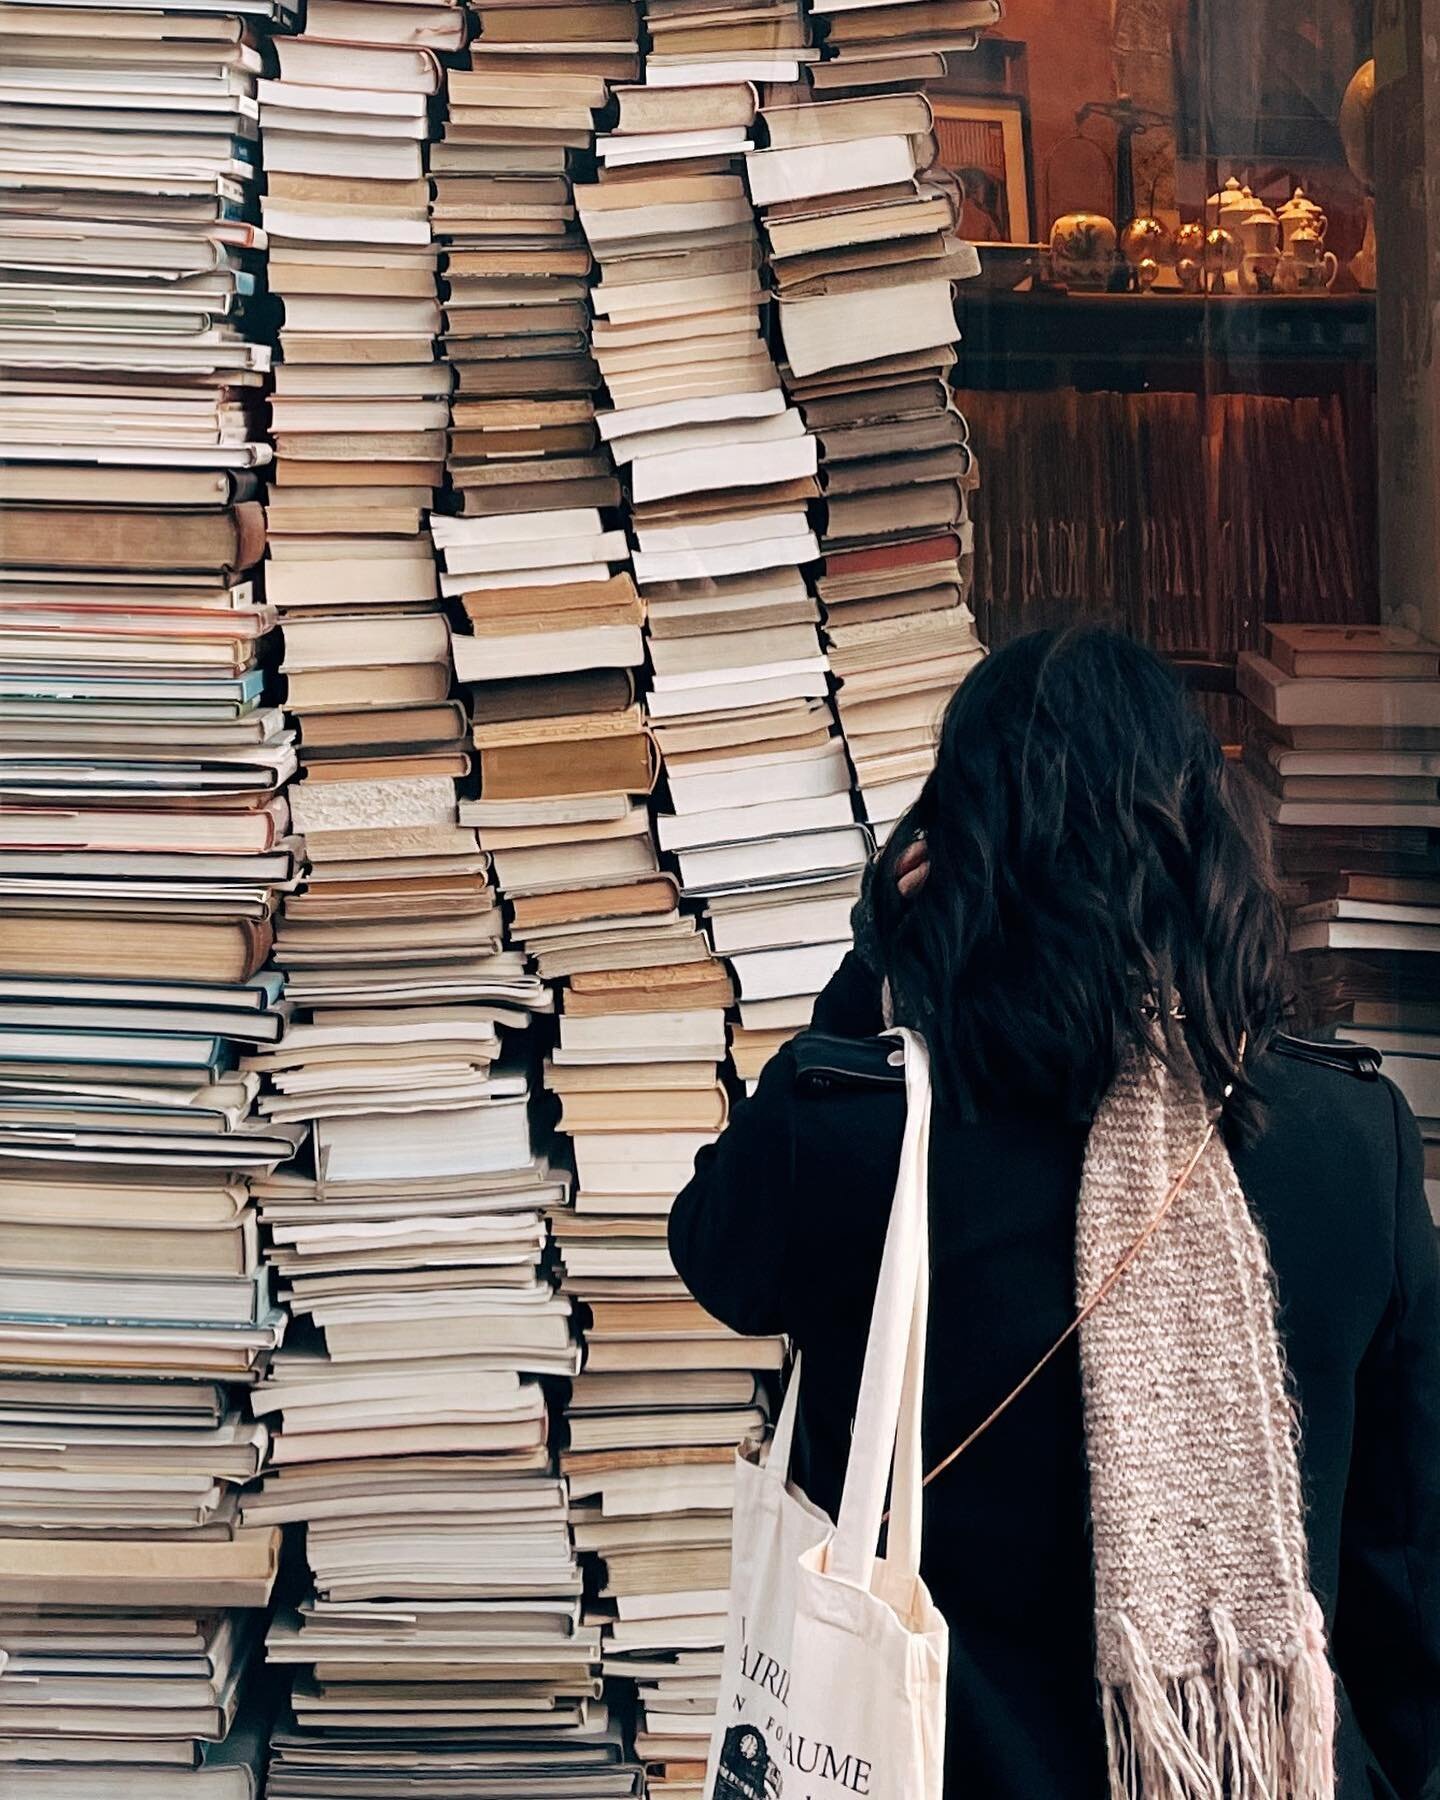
(1273, 342)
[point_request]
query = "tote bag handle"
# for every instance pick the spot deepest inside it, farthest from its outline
(888, 1410)
(782, 1440)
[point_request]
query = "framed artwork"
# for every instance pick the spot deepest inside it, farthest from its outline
(983, 145)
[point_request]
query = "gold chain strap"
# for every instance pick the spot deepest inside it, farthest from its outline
(1162, 1212)
(1110, 1281)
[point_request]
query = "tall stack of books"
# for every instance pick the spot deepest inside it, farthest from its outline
(396, 922)
(443, 1627)
(1343, 746)
(564, 770)
(143, 841)
(533, 561)
(863, 255)
(719, 473)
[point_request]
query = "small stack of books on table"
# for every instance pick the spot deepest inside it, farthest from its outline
(1343, 749)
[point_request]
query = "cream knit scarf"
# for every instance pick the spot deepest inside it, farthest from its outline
(1210, 1646)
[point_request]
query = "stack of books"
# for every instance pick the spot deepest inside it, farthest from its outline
(411, 1242)
(719, 472)
(665, 1396)
(397, 913)
(889, 45)
(361, 401)
(693, 45)
(442, 1637)
(143, 1690)
(396, 910)
(862, 253)
(143, 843)
(564, 770)
(1343, 749)
(128, 233)
(522, 431)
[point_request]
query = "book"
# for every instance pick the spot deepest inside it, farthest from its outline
(1363, 651)
(1378, 702)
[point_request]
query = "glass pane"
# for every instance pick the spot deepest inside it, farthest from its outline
(496, 495)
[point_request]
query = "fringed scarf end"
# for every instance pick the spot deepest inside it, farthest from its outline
(1253, 1728)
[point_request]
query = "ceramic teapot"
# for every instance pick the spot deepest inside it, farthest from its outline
(1315, 266)
(1300, 213)
(1260, 232)
(1229, 208)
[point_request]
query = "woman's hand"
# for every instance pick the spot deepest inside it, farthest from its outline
(913, 868)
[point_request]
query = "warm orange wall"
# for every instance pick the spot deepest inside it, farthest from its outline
(1070, 62)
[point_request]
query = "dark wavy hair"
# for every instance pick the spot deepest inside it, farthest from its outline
(1097, 881)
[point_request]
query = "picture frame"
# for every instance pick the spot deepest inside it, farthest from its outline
(984, 144)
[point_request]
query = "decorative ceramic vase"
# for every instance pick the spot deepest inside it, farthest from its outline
(1260, 233)
(1082, 250)
(1147, 273)
(1190, 273)
(1230, 207)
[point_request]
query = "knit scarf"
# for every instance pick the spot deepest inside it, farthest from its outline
(1210, 1646)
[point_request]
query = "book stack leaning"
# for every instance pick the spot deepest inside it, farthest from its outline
(859, 228)
(1343, 749)
(143, 842)
(719, 472)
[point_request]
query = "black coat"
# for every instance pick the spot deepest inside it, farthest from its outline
(781, 1230)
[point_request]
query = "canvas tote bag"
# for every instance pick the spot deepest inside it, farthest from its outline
(833, 1680)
